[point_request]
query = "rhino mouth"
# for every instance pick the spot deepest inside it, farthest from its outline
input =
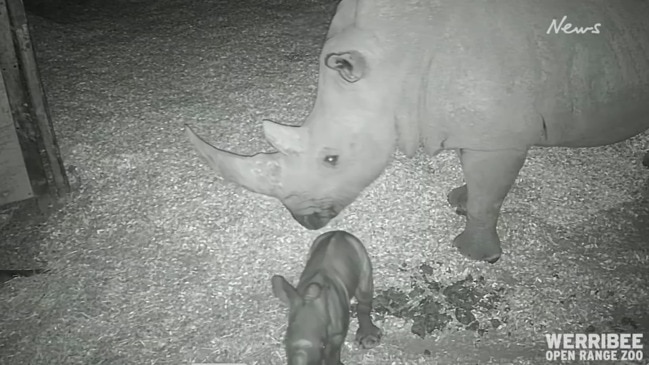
(315, 220)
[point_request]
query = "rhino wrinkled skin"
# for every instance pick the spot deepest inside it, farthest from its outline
(488, 79)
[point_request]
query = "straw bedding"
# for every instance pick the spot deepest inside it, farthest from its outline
(155, 261)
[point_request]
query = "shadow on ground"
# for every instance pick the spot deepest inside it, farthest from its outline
(20, 241)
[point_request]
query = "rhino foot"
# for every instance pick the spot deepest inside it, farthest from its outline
(479, 244)
(368, 337)
(457, 198)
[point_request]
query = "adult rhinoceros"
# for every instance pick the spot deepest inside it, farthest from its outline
(489, 79)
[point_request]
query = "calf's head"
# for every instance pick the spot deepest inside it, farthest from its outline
(307, 341)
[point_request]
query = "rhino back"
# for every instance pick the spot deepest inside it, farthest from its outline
(494, 71)
(595, 87)
(339, 257)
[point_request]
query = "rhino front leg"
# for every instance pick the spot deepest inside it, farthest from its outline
(333, 355)
(489, 175)
(368, 335)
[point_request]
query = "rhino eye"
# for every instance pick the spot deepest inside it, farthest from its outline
(331, 160)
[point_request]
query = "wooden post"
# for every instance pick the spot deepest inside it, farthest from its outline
(14, 181)
(28, 104)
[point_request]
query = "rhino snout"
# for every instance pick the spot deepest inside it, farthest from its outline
(315, 220)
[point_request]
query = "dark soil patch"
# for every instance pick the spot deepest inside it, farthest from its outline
(432, 306)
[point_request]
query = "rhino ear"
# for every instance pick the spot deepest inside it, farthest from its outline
(283, 290)
(288, 140)
(312, 292)
(350, 65)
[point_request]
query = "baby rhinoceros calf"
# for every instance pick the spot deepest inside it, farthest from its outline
(338, 268)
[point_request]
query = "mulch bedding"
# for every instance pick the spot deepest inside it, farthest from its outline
(153, 260)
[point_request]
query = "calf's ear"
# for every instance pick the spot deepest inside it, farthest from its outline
(284, 291)
(312, 292)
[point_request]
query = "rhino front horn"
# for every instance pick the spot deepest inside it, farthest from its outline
(259, 173)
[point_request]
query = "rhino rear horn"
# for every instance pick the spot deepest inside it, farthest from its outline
(288, 140)
(260, 173)
(350, 65)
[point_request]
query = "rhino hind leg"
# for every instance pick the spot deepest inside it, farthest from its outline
(489, 175)
(457, 198)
